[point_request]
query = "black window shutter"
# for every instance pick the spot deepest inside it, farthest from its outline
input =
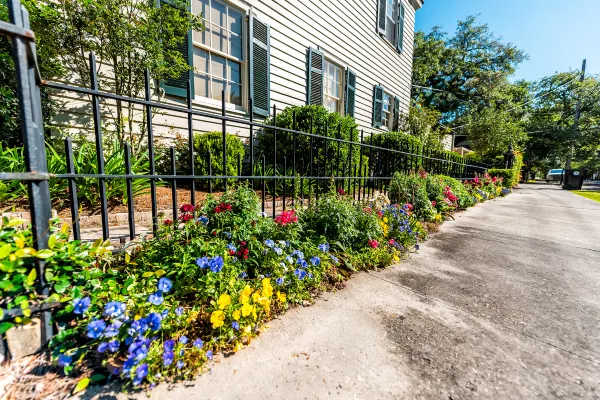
(314, 79)
(377, 106)
(178, 86)
(350, 92)
(381, 16)
(259, 64)
(396, 122)
(400, 26)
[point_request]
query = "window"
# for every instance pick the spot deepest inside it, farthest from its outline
(332, 88)
(391, 19)
(217, 53)
(387, 110)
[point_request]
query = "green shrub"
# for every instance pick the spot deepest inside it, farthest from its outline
(458, 189)
(510, 177)
(412, 189)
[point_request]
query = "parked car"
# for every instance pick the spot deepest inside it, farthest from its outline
(555, 175)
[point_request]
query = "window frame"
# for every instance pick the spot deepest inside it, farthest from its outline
(393, 19)
(209, 101)
(390, 113)
(341, 110)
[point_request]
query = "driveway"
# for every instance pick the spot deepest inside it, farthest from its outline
(503, 303)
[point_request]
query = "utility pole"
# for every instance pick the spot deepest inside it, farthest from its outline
(576, 122)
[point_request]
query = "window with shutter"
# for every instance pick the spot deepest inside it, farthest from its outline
(259, 65)
(377, 106)
(381, 16)
(396, 121)
(400, 25)
(178, 86)
(315, 66)
(350, 92)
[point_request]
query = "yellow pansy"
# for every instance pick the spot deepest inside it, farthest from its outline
(217, 319)
(238, 346)
(224, 301)
(247, 329)
(267, 290)
(245, 295)
(264, 302)
(255, 296)
(247, 310)
(385, 219)
(281, 297)
(237, 314)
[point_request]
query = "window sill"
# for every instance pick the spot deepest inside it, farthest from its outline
(214, 105)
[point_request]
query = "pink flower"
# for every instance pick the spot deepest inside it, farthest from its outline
(433, 203)
(341, 192)
(286, 217)
(380, 213)
(392, 242)
(373, 243)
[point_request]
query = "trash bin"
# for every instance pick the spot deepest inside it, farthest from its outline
(574, 178)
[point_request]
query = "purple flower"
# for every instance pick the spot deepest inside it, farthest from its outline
(315, 261)
(216, 264)
(102, 347)
(169, 345)
(138, 327)
(198, 343)
(154, 321)
(128, 365)
(324, 247)
(114, 309)
(113, 329)
(140, 373)
(202, 262)
(164, 285)
(81, 305)
(280, 281)
(235, 325)
(113, 346)
(168, 357)
(179, 311)
(95, 328)
(183, 340)
(243, 275)
(156, 298)
(164, 313)
(64, 360)
(209, 354)
(180, 364)
(300, 273)
(203, 220)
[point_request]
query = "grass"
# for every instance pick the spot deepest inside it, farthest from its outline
(588, 194)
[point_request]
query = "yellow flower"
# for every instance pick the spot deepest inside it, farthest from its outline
(237, 314)
(247, 310)
(245, 295)
(255, 296)
(247, 329)
(238, 346)
(232, 282)
(281, 297)
(224, 301)
(267, 290)
(264, 302)
(385, 219)
(217, 319)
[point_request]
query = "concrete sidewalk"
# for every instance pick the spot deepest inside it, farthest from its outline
(503, 303)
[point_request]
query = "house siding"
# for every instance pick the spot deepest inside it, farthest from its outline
(343, 29)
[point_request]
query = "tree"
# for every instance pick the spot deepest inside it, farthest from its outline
(127, 36)
(423, 123)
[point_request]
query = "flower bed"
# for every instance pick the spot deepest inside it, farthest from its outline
(164, 307)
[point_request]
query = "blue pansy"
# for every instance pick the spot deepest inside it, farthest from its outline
(216, 264)
(180, 364)
(235, 325)
(64, 360)
(315, 261)
(113, 346)
(114, 309)
(179, 311)
(168, 357)
(169, 345)
(324, 247)
(243, 275)
(96, 328)
(269, 243)
(128, 365)
(280, 281)
(209, 354)
(113, 329)
(278, 250)
(164, 285)
(202, 262)
(183, 340)
(231, 247)
(203, 219)
(303, 263)
(156, 298)
(289, 259)
(140, 373)
(227, 234)
(81, 305)
(298, 253)
(164, 313)
(154, 321)
(138, 327)
(198, 343)
(335, 260)
(139, 349)
(102, 347)
(300, 273)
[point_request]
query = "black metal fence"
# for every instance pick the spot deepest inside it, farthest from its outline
(292, 181)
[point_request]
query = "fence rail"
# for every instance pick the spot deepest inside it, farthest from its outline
(377, 162)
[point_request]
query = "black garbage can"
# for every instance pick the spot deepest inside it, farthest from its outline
(574, 179)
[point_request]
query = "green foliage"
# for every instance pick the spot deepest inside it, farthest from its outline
(412, 189)
(510, 177)
(324, 123)
(424, 124)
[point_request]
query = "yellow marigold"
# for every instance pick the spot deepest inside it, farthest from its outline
(237, 314)
(281, 297)
(247, 309)
(245, 295)
(224, 301)
(217, 319)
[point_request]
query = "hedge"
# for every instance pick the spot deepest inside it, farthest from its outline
(510, 176)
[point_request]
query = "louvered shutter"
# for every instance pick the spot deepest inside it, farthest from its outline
(381, 16)
(377, 106)
(314, 79)
(178, 86)
(400, 26)
(396, 122)
(350, 92)
(259, 64)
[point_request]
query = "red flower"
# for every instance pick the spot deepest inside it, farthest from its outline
(186, 208)
(408, 206)
(433, 203)
(286, 217)
(373, 243)
(380, 213)
(367, 210)
(222, 208)
(186, 217)
(391, 242)
(168, 222)
(341, 192)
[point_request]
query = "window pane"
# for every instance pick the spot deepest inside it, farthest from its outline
(235, 21)
(236, 46)
(218, 14)
(202, 36)
(217, 66)
(233, 72)
(331, 104)
(234, 94)
(217, 88)
(219, 39)
(200, 60)
(201, 7)
(201, 84)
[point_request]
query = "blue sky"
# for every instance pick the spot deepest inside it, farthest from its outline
(557, 34)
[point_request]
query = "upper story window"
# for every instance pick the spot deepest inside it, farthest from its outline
(390, 22)
(333, 87)
(218, 52)
(391, 19)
